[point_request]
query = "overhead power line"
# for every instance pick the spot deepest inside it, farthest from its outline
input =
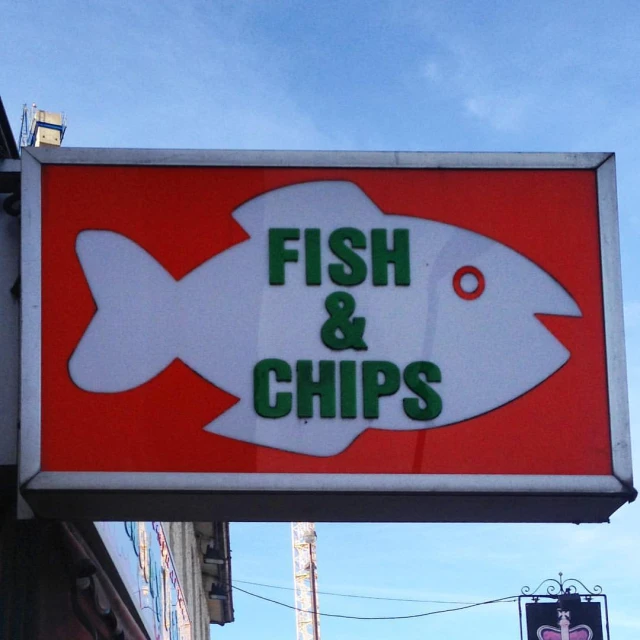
(354, 595)
(415, 615)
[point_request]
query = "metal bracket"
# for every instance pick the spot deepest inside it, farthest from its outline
(561, 587)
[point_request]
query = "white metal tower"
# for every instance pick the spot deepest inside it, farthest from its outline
(305, 579)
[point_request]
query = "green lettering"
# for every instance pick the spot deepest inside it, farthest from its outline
(340, 330)
(381, 257)
(357, 266)
(348, 408)
(325, 388)
(278, 255)
(261, 391)
(373, 388)
(432, 402)
(312, 256)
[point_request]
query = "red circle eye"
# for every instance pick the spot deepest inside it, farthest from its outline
(468, 283)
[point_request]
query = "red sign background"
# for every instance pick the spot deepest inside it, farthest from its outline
(182, 217)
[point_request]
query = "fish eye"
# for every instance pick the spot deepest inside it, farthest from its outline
(468, 282)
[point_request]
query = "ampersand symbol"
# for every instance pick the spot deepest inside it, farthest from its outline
(341, 331)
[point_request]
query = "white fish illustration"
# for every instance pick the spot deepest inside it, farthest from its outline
(469, 309)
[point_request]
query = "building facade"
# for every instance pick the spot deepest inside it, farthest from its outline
(82, 579)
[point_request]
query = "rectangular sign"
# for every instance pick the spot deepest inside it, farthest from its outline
(571, 620)
(361, 336)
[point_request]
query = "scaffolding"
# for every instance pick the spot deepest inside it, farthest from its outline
(41, 128)
(305, 577)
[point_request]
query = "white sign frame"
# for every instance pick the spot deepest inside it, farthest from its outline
(318, 497)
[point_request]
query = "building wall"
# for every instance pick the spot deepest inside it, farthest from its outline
(54, 574)
(53, 587)
(187, 558)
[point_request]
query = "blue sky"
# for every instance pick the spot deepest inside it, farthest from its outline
(368, 75)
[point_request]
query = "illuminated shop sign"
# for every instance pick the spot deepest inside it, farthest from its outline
(326, 323)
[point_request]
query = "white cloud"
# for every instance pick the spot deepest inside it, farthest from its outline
(186, 75)
(479, 88)
(518, 68)
(503, 112)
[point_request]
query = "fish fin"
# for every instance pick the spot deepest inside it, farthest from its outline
(130, 338)
(319, 199)
(311, 437)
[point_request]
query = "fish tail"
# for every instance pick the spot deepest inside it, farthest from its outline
(130, 338)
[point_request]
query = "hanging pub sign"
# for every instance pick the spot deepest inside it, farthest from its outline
(570, 619)
(354, 336)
